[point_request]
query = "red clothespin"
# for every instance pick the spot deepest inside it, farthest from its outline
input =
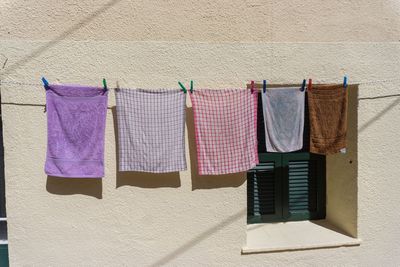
(309, 84)
(252, 86)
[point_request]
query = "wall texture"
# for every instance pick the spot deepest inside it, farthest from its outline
(184, 219)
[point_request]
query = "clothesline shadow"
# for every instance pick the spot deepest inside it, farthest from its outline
(72, 186)
(191, 244)
(142, 179)
(207, 181)
(59, 38)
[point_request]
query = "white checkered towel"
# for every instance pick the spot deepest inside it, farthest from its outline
(151, 130)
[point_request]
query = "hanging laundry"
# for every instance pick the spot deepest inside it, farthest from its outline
(151, 130)
(283, 111)
(328, 118)
(225, 126)
(76, 117)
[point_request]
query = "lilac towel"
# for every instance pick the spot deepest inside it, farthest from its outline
(151, 130)
(76, 118)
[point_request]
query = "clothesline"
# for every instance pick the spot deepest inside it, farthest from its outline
(260, 84)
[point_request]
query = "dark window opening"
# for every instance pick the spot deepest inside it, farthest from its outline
(286, 186)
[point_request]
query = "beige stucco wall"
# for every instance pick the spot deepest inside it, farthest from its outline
(148, 220)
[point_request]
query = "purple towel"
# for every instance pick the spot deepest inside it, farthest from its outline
(76, 118)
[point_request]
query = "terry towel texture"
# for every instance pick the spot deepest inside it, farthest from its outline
(76, 117)
(328, 118)
(151, 130)
(225, 127)
(283, 111)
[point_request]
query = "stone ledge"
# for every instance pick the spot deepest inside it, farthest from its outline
(289, 236)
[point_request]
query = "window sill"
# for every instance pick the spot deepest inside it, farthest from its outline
(274, 237)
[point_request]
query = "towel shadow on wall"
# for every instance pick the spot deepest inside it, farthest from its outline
(142, 179)
(207, 181)
(72, 186)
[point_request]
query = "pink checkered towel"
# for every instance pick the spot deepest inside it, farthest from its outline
(226, 130)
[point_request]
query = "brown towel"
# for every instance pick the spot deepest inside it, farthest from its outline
(328, 118)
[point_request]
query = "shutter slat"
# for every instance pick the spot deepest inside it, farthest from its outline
(299, 185)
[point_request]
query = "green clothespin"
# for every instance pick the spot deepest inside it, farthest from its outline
(183, 87)
(105, 84)
(191, 87)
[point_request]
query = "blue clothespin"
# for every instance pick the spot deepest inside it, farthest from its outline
(303, 86)
(105, 85)
(183, 87)
(345, 82)
(45, 83)
(191, 86)
(264, 86)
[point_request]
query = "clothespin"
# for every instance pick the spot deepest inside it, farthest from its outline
(45, 83)
(309, 84)
(303, 86)
(105, 85)
(183, 87)
(264, 86)
(252, 86)
(345, 82)
(191, 86)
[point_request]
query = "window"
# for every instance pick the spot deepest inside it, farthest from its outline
(286, 186)
(290, 188)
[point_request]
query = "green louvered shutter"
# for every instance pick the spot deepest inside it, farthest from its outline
(305, 186)
(264, 196)
(286, 187)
